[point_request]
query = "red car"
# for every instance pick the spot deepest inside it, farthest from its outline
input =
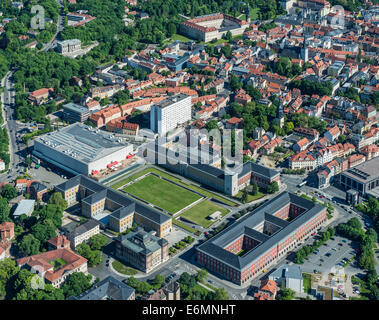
(205, 233)
(313, 234)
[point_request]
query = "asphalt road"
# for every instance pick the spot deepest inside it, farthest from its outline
(17, 150)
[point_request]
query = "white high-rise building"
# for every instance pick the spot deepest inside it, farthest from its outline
(169, 113)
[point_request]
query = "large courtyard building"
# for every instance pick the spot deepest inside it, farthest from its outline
(169, 113)
(261, 237)
(363, 178)
(81, 149)
(142, 250)
(112, 208)
(212, 26)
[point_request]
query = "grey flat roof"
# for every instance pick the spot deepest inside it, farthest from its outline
(364, 172)
(75, 107)
(24, 207)
(287, 271)
(215, 246)
(82, 142)
(171, 100)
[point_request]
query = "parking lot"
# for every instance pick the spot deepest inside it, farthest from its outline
(329, 255)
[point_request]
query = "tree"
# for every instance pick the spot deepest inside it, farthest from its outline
(211, 125)
(29, 245)
(4, 210)
(44, 230)
(285, 294)
(57, 199)
(171, 29)
(8, 192)
(159, 280)
(201, 275)
(244, 196)
(76, 283)
(255, 188)
(288, 127)
(273, 187)
(221, 294)
(228, 36)
(8, 269)
(94, 257)
(98, 241)
(355, 223)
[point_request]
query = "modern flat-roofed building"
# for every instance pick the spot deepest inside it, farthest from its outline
(81, 149)
(75, 113)
(289, 276)
(99, 202)
(362, 178)
(24, 207)
(142, 250)
(260, 238)
(169, 113)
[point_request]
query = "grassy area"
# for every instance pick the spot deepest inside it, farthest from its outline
(199, 213)
(58, 263)
(180, 38)
(250, 197)
(162, 193)
(183, 226)
(179, 181)
(120, 267)
(253, 14)
(307, 280)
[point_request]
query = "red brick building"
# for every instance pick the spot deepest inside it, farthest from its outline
(261, 238)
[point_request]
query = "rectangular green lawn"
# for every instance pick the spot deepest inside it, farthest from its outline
(162, 193)
(199, 213)
(172, 178)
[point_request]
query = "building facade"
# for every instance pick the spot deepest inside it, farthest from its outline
(261, 238)
(142, 250)
(122, 210)
(169, 113)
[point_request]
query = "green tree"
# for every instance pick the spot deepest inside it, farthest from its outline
(244, 195)
(285, 294)
(201, 275)
(221, 294)
(29, 245)
(228, 36)
(8, 269)
(8, 192)
(159, 280)
(98, 241)
(57, 199)
(273, 187)
(255, 188)
(4, 210)
(76, 283)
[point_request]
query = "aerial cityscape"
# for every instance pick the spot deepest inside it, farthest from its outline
(204, 150)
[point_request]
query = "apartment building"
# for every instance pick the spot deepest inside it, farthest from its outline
(169, 113)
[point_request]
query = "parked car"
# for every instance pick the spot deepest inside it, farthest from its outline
(328, 254)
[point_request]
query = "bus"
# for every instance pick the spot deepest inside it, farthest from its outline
(302, 183)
